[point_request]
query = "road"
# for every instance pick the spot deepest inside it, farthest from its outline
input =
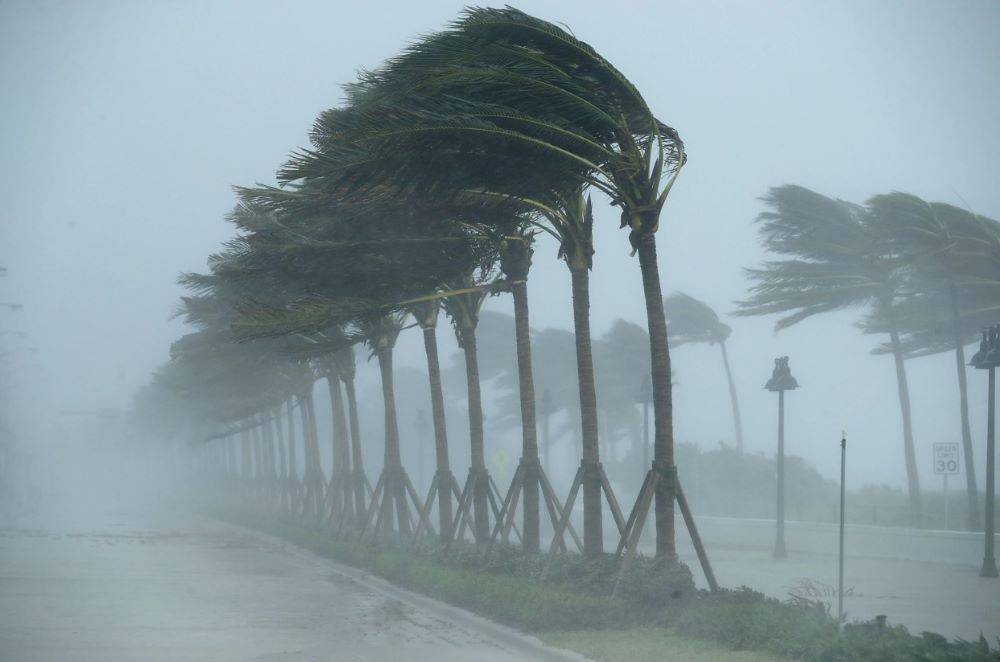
(177, 588)
(925, 580)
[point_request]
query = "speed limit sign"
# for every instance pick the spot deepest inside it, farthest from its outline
(946, 459)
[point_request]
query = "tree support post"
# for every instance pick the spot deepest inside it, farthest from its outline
(660, 479)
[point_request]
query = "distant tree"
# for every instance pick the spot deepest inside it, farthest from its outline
(692, 321)
(948, 252)
(834, 257)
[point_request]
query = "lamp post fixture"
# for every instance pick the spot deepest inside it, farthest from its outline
(781, 380)
(988, 358)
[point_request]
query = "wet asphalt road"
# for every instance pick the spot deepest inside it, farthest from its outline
(179, 588)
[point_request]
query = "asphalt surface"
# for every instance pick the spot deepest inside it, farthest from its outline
(924, 580)
(181, 588)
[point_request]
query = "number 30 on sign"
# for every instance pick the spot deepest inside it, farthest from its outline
(946, 459)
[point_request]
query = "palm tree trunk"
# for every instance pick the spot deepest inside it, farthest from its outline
(281, 485)
(245, 468)
(312, 436)
(255, 436)
(356, 456)
(663, 433)
(529, 444)
(307, 457)
(280, 436)
(972, 491)
(737, 422)
(477, 460)
(593, 533)
(230, 450)
(395, 488)
(440, 434)
(909, 453)
(341, 452)
(267, 446)
(293, 469)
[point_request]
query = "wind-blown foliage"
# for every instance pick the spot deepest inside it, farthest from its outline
(693, 321)
(835, 257)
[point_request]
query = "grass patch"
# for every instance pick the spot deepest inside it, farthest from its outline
(519, 601)
(647, 644)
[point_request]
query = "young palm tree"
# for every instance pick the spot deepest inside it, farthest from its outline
(346, 370)
(443, 484)
(834, 257)
(409, 249)
(463, 309)
(692, 321)
(340, 495)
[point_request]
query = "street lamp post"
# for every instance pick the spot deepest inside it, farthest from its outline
(988, 358)
(781, 380)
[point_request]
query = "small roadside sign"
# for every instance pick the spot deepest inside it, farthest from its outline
(946, 459)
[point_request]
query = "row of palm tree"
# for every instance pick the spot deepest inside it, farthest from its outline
(427, 190)
(925, 274)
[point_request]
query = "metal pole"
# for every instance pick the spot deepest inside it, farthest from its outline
(840, 563)
(989, 568)
(946, 502)
(779, 532)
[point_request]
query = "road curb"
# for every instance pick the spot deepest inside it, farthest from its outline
(516, 641)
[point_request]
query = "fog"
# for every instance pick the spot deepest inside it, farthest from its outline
(125, 125)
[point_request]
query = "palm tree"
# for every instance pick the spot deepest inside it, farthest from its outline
(346, 370)
(550, 109)
(340, 494)
(835, 257)
(367, 257)
(463, 309)
(945, 247)
(692, 321)
(443, 484)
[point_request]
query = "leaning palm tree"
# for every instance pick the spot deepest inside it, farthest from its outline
(443, 484)
(504, 90)
(382, 251)
(946, 248)
(463, 310)
(833, 257)
(692, 321)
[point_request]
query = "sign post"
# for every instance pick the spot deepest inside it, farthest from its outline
(840, 556)
(946, 463)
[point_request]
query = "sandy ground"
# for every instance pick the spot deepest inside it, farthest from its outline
(184, 589)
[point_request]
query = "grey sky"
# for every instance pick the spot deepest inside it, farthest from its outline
(123, 124)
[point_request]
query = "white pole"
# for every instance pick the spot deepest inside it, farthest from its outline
(843, 489)
(946, 502)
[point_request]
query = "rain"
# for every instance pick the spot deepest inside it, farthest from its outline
(552, 331)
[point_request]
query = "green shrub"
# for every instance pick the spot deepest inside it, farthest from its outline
(747, 620)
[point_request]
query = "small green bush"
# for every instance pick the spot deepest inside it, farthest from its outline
(747, 620)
